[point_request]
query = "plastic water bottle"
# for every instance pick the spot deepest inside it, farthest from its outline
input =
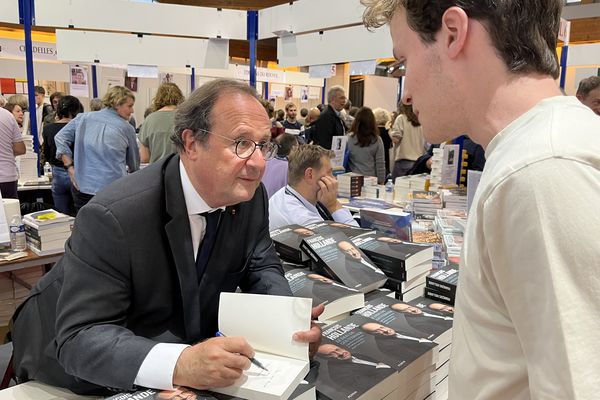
(48, 170)
(389, 190)
(17, 233)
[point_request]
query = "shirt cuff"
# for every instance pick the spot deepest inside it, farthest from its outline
(158, 367)
(344, 216)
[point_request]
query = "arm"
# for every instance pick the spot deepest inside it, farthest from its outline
(397, 130)
(380, 162)
(328, 196)
(65, 139)
(546, 272)
(133, 152)
(144, 154)
(19, 148)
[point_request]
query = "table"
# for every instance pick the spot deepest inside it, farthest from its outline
(40, 391)
(32, 260)
(35, 193)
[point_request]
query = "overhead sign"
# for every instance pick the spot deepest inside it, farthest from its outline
(13, 48)
(363, 67)
(262, 74)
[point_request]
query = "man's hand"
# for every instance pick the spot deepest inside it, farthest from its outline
(312, 336)
(216, 362)
(428, 162)
(327, 193)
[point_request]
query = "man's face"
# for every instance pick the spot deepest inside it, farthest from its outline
(441, 307)
(332, 351)
(592, 100)
(338, 102)
(378, 329)
(325, 170)
(349, 249)
(426, 87)
(217, 173)
(291, 113)
(126, 109)
(39, 98)
(55, 101)
(407, 309)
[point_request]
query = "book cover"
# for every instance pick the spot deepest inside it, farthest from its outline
(287, 241)
(337, 298)
(444, 280)
(392, 222)
(46, 217)
(336, 257)
(398, 259)
(358, 357)
(356, 204)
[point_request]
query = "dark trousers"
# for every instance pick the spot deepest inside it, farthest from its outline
(80, 199)
(401, 168)
(9, 190)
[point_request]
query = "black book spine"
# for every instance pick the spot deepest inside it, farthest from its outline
(288, 253)
(391, 267)
(438, 296)
(448, 289)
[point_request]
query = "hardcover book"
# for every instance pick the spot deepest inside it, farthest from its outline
(287, 241)
(399, 260)
(392, 222)
(336, 257)
(337, 298)
(444, 280)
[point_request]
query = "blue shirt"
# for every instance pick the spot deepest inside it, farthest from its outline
(290, 207)
(104, 146)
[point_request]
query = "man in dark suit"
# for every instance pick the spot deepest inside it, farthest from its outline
(134, 301)
(330, 123)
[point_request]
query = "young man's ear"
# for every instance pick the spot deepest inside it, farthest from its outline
(309, 173)
(454, 30)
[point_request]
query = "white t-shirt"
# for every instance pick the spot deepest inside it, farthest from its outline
(527, 319)
(9, 135)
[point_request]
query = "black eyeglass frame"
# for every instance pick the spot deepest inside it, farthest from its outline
(270, 146)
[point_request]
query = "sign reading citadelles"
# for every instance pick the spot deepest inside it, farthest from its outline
(13, 48)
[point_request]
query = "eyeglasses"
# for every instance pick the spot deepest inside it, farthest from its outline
(244, 148)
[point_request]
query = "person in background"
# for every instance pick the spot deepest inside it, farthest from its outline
(382, 118)
(588, 93)
(290, 121)
(280, 116)
(11, 145)
(54, 99)
(156, 131)
(134, 301)
(104, 146)
(19, 99)
(95, 104)
(311, 193)
(3, 101)
(309, 124)
(409, 143)
(303, 115)
(41, 109)
(330, 123)
(16, 111)
(67, 108)
(276, 171)
(346, 117)
(527, 321)
(365, 147)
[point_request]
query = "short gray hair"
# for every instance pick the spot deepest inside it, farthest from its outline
(95, 104)
(333, 91)
(587, 85)
(195, 113)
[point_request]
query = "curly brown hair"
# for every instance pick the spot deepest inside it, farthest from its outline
(168, 94)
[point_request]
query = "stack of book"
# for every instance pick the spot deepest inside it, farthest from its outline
(363, 358)
(402, 189)
(453, 243)
(450, 226)
(338, 299)
(441, 285)
(27, 164)
(434, 239)
(405, 264)
(371, 191)
(355, 204)
(435, 176)
(47, 231)
(287, 241)
(425, 204)
(350, 184)
(455, 199)
(327, 227)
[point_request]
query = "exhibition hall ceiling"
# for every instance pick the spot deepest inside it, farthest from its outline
(235, 4)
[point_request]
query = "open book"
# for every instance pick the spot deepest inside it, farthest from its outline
(268, 324)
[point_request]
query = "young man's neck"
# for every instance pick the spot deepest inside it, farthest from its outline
(305, 192)
(505, 103)
(291, 120)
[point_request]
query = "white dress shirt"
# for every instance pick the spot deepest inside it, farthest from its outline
(291, 208)
(157, 369)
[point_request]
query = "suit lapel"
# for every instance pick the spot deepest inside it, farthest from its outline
(179, 238)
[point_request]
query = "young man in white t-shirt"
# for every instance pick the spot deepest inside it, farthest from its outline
(527, 323)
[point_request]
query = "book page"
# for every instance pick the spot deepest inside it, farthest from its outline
(279, 381)
(267, 322)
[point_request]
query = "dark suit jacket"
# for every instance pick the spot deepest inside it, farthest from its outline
(327, 126)
(128, 281)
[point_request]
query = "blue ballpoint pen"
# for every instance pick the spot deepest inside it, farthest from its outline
(252, 359)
